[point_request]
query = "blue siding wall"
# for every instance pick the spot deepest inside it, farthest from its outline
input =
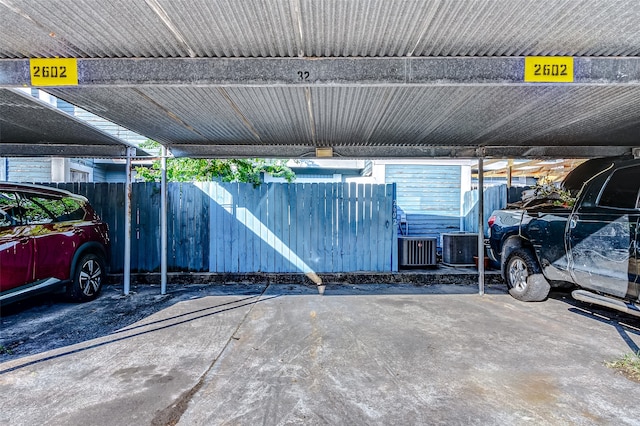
(428, 196)
(28, 170)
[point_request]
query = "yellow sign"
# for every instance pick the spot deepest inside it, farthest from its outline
(54, 71)
(548, 69)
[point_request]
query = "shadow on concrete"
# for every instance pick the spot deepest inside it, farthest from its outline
(46, 335)
(624, 324)
(50, 322)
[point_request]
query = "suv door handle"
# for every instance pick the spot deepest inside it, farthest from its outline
(573, 221)
(24, 240)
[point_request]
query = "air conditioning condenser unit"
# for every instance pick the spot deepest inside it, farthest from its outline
(417, 251)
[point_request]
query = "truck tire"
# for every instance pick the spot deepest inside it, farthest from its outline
(87, 278)
(524, 277)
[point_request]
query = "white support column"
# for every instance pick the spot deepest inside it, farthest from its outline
(127, 224)
(480, 226)
(163, 222)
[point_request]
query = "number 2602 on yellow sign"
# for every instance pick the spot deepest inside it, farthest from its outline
(548, 69)
(54, 72)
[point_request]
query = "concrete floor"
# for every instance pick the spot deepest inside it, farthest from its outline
(359, 355)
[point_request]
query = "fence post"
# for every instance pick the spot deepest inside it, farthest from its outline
(394, 233)
(127, 226)
(480, 226)
(163, 222)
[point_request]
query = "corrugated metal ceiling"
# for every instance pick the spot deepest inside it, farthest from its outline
(311, 28)
(365, 120)
(53, 132)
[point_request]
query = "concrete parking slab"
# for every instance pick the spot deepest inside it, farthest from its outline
(360, 354)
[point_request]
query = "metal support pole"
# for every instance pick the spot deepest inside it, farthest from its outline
(127, 224)
(480, 227)
(163, 222)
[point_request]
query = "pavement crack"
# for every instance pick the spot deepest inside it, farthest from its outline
(172, 414)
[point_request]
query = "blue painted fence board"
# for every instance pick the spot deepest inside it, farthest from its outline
(495, 197)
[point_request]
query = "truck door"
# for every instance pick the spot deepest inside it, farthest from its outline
(602, 237)
(636, 260)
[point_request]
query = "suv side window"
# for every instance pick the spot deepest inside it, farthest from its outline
(9, 209)
(36, 212)
(622, 190)
(73, 210)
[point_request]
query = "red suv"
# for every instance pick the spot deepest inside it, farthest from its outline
(49, 239)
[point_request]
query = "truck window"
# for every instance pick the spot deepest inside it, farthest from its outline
(622, 189)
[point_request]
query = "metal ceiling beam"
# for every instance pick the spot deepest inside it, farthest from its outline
(404, 151)
(294, 151)
(128, 72)
(553, 152)
(61, 150)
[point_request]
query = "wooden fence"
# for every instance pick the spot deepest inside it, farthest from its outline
(236, 228)
(495, 197)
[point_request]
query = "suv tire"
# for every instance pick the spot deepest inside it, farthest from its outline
(87, 278)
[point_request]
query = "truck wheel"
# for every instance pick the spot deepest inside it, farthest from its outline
(87, 278)
(524, 277)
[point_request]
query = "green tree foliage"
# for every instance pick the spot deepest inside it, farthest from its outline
(228, 170)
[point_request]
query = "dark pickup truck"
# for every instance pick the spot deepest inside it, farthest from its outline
(589, 239)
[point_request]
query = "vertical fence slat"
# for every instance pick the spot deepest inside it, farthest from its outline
(381, 264)
(262, 216)
(390, 233)
(307, 224)
(213, 238)
(376, 264)
(360, 231)
(203, 227)
(343, 224)
(350, 252)
(118, 206)
(253, 231)
(297, 215)
(278, 230)
(331, 206)
(241, 222)
(293, 229)
(366, 227)
(270, 250)
(137, 205)
(222, 228)
(314, 206)
(235, 229)
(322, 264)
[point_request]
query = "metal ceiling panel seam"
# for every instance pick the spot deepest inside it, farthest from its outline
(282, 117)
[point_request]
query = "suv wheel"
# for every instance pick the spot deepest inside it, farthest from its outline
(88, 277)
(524, 277)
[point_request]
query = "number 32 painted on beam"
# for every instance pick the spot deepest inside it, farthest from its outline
(548, 69)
